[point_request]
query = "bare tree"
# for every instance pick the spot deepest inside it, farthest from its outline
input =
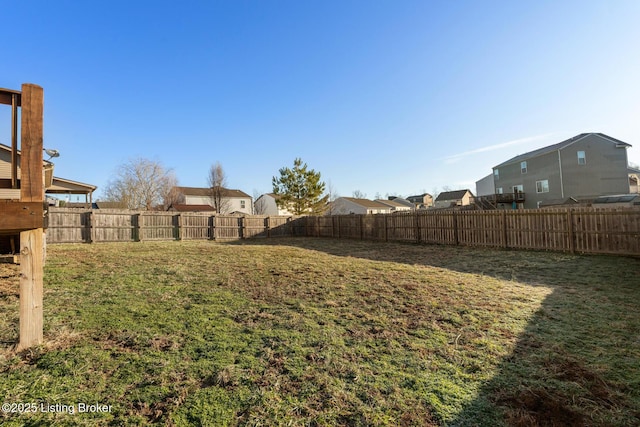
(141, 184)
(359, 194)
(333, 195)
(217, 180)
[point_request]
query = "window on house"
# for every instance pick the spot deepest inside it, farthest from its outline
(242, 204)
(499, 190)
(496, 174)
(523, 167)
(518, 188)
(582, 158)
(542, 186)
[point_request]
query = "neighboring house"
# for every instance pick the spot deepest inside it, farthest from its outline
(634, 180)
(450, 199)
(52, 184)
(266, 205)
(421, 200)
(608, 202)
(396, 205)
(235, 201)
(585, 166)
(352, 205)
(402, 201)
(485, 186)
(618, 201)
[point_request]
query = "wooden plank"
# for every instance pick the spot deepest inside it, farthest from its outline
(6, 96)
(31, 172)
(31, 279)
(16, 216)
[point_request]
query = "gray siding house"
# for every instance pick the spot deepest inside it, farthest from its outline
(585, 166)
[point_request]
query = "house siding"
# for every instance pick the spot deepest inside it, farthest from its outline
(485, 186)
(604, 172)
(233, 204)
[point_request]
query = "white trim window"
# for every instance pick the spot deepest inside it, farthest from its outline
(582, 158)
(499, 190)
(243, 204)
(542, 186)
(496, 174)
(523, 167)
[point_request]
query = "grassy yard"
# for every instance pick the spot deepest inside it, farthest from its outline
(325, 332)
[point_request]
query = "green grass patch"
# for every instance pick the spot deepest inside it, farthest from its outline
(326, 332)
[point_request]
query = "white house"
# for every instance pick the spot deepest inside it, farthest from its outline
(351, 205)
(234, 201)
(396, 204)
(266, 205)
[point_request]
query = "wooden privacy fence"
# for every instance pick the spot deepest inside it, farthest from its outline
(583, 230)
(586, 230)
(110, 225)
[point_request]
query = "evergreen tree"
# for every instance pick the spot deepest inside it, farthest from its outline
(300, 190)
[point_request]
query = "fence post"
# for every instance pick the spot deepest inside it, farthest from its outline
(504, 229)
(138, 227)
(455, 227)
(361, 226)
(212, 227)
(417, 227)
(180, 222)
(572, 240)
(90, 229)
(339, 226)
(386, 237)
(267, 225)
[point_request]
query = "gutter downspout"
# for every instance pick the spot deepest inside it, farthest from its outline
(560, 167)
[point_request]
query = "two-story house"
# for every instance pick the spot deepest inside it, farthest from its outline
(585, 166)
(233, 201)
(421, 201)
(451, 199)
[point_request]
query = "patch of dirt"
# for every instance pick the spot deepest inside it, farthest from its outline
(540, 409)
(9, 280)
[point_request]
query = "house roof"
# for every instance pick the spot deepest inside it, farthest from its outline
(61, 185)
(559, 146)
(452, 195)
(366, 203)
(65, 186)
(631, 170)
(205, 192)
(8, 148)
(618, 198)
(391, 203)
(191, 208)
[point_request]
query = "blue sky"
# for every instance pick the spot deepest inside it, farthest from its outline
(395, 97)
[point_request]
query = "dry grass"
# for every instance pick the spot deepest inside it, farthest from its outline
(325, 332)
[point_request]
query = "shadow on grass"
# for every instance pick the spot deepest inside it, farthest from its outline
(578, 361)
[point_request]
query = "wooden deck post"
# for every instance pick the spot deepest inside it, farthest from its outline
(31, 241)
(31, 288)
